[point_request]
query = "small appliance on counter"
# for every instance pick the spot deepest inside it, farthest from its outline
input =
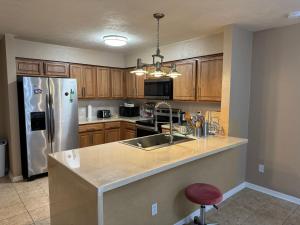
(103, 113)
(129, 110)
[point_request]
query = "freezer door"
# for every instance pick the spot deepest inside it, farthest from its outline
(36, 94)
(64, 113)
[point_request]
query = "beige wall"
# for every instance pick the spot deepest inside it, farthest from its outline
(206, 45)
(236, 80)
(131, 204)
(3, 89)
(12, 119)
(275, 109)
(38, 50)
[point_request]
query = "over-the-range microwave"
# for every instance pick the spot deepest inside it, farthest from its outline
(160, 88)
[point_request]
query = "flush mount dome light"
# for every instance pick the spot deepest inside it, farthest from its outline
(293, 15)
(115, 40)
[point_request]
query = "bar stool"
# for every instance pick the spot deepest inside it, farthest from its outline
(203, 195)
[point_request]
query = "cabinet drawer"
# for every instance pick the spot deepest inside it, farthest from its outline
(91, 127)
(111, 125)
(130, 126)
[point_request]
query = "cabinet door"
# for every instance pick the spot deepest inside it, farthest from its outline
(129, 134)
(130, 84)
(117, 83)
(139, 83)
(76, 73)
(29, 67)
(112, 135)
(210, 79)
(98, 138)
(90, 85)
(103, 82)
(84, 140)
(184, 86)
(57, 69)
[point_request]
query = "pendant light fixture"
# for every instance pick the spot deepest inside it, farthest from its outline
(157, 60)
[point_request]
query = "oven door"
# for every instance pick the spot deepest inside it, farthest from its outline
(158, 88)
(142, 131)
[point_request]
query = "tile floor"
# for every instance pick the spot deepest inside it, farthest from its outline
(26, 203)
(249, 207)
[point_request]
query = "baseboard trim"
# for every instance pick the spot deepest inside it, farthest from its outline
(14, 179)
(226, 195)
(273, 193)
(237, 189)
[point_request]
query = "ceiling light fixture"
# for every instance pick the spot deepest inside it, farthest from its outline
(115, 40)
(293, 15)
(157, 60)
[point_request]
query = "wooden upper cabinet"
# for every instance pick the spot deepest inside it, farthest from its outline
(86, 80)
(130, 84)
(89, 74)
(76, 73)
(117, 83)
(210, 79)
(184, 86)
(29, 67)
(103, 82)
(59, 69)
(139, 82)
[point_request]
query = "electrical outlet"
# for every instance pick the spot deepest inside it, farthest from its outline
(261, 168)
(154, 209)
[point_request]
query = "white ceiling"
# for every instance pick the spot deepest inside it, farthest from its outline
(83, 23)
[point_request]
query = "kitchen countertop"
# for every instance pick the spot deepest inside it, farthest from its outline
(112, 165)
(83, 121)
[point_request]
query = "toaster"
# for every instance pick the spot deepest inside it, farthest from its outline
(104, 113)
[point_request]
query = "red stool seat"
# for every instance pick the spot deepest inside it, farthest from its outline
(203, 194)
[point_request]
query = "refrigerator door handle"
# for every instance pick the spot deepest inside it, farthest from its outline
(48, 118)
(52, 125)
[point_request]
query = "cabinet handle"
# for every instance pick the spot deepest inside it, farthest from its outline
(82, 93)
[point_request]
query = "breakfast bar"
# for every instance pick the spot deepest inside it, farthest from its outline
(114, 182)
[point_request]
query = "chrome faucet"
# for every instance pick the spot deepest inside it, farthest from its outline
(170, 116)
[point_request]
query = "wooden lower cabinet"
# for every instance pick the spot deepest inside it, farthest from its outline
(129, 134)
(128, 130)
(99, 133)
(84, 140)
(98, 138)
(112, 135)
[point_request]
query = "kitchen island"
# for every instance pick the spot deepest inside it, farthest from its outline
(117, 184)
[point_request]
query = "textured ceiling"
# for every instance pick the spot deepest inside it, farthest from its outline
(83, 23)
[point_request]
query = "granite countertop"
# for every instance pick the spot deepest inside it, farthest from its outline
(112, 165)
(83, 121)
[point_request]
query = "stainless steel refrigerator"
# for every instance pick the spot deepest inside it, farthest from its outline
(48, 114)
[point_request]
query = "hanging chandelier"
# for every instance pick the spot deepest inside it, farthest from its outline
(158, 60)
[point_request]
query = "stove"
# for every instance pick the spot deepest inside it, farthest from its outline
(147, 127)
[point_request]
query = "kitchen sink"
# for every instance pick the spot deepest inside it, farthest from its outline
(152, 142)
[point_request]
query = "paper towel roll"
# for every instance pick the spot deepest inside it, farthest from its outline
(89, 112)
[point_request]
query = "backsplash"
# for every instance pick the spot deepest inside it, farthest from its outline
(113, 106)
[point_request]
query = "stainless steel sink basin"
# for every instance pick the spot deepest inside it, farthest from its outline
(152, 142)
